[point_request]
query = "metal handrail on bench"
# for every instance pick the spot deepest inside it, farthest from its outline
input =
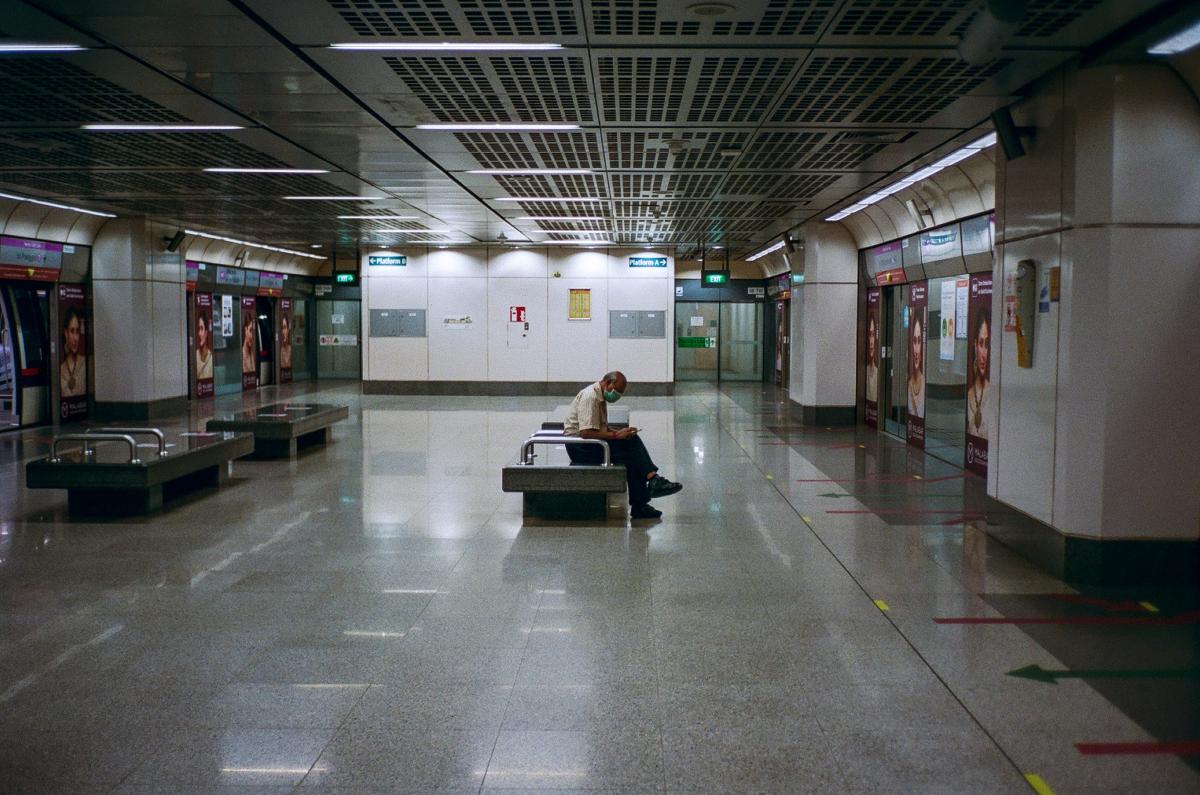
(527, 448)
(87, 438)
(155, 432)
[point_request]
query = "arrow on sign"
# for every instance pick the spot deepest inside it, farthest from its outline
(1040, 674)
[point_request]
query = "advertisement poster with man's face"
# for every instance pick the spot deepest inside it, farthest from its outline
(285, 340)
(871, 396)
(918, 300)
(202, 344)
(73, 359)
(979, 372)
(249, 343)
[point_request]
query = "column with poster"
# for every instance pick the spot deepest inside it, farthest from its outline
(871, 397)
(979, 372)
(73, 363)
(203, 353)
(285, 340)
(249, 343)
(918, 300)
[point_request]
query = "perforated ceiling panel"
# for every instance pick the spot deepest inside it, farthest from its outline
(701, 122)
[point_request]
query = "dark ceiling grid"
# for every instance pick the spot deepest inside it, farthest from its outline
(685, 149)
(908, 18)
(57, 92)
(533, 149)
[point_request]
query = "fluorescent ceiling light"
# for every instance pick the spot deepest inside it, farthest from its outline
(588, 231)
(517, 171)
(581, 242)
(500, 127)
(55, 205)
(768, 250)
(549, 199)
(409, 231)
(9, 47)
(978, 145)
(561, 218)
(378, 217)
(335, 198)
(1185, 39)
(161, 127)
(443, 46)
(262, 246)
(267, 170)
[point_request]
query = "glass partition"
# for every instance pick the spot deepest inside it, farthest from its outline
(741, 342)
(946, 369)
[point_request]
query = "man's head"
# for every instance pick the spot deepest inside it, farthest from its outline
(613, 385)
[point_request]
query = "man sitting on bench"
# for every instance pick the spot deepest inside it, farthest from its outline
(588, 418)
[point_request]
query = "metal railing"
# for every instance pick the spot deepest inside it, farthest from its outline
(527, 448)
(87, 441)
(135, 432)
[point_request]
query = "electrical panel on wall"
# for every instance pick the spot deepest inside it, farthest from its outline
(636, 324)
(397, 323)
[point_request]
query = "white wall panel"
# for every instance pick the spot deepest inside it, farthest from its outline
(121, 307)
(504, 262)
(1025, 454)
(169, 341)
(507, 361)
(457, 354)
(578, 349)
(415, 268)
(583, 263)
(640, 360)
(398, 359)
(445, 263)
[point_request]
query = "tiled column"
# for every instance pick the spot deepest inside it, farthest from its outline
(140, 323)
(822, 375)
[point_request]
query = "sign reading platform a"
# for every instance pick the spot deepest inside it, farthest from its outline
(644, 261)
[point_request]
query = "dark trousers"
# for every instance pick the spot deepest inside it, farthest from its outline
(630, 452)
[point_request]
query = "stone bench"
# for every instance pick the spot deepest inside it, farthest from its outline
(555, 488)
(281, 429)
(110, 472)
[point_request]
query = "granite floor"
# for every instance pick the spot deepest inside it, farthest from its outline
(376, 617)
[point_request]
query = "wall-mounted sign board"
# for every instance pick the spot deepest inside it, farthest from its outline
(644, 261)
(387, 260)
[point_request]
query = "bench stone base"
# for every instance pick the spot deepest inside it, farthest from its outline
(566, 505)
(141, 501)
(288, 448)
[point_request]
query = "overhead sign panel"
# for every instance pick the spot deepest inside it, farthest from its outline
(643, 261)
(393, 260)
(29, 259)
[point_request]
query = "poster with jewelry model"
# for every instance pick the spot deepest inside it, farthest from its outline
(202, 344)
(871, 396)
(918, 336)
(73, 355)
(979, 372)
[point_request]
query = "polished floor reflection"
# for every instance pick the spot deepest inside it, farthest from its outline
(376, 617)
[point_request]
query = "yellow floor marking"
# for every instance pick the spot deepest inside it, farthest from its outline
(1039, 786)
(806, 520)
(770, 477)
(882, 605)
(917, 477)
(1149, 607)
(863, 446)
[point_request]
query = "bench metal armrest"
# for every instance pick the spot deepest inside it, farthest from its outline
(527, 447)
(88, 438)
(159, 436)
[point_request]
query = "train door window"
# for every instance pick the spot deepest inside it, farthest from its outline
(266, 340)
(946, 370)
(894, 353)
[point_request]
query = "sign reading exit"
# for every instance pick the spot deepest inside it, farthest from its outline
(642, 261)
(345, 278)
(396, 260)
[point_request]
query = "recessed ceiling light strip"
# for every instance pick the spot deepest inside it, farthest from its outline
(161, 127)
(549, 199)
(266, 170)
(956, 156)
(262, 246)
(500, 127)
(55, 205)
(768, 250)
(379, 218)
(336, 198)
(443, 46)
(16, 47)
(522, 171)
(1184, 40)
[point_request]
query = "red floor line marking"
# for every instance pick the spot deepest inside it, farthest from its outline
(979, 514)
(1107, 604)
(1182, 618)
(1184, 748)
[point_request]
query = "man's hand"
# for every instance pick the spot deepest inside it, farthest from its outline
(624, 433)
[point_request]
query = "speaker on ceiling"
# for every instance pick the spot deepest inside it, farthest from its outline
(1008, 133)
(789, 245)
(174, 243)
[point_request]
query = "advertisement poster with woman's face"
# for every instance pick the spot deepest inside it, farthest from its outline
(249, 343)
(918, 300)
(73, 363)
(871, 395)
(979, 372)
(202, 353)
(285, 340)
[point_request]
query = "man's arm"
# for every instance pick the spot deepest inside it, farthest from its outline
(592, 433)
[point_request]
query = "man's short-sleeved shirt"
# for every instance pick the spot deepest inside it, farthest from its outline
(588, 411)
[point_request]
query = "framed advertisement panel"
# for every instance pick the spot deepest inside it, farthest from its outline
(286, 330)
(871, 393)
(73, 363)
(980, 394)
(918, 301)
(249, 343)
(202, 345)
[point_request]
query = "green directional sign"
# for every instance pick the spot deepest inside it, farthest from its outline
(345, 278)
(695, 342)
(715, 278)
(395, 260)
(1040, 674)
(643, 261)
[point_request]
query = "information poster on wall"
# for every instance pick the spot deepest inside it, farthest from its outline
(580, 306)
(979, 373)
(73, 365)
(249, 343)
(202, 344)
(226, 316)
(918, 302)
(457, 322)
(871, 395)
(285, 340)
(961, 293)
(947, 327)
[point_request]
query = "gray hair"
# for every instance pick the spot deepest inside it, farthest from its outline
(612, 376)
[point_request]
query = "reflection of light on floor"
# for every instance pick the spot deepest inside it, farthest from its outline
(332, 685)
(274, 771)
(410, 590)
(365, 633)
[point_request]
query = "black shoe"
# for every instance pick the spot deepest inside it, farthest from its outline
(661, 487)
(646, 511)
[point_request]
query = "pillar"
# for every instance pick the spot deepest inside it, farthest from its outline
(1100, 438)
(139, 323)
(823, 346)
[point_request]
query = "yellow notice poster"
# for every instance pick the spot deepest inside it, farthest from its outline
(580, 307)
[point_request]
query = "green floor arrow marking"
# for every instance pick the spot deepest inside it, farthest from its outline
(1040, 674)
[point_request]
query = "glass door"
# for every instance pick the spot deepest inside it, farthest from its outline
(946, 370)
(740, 341)
(337, 344)
(894, 355)
(8, 370)
(697, 333)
